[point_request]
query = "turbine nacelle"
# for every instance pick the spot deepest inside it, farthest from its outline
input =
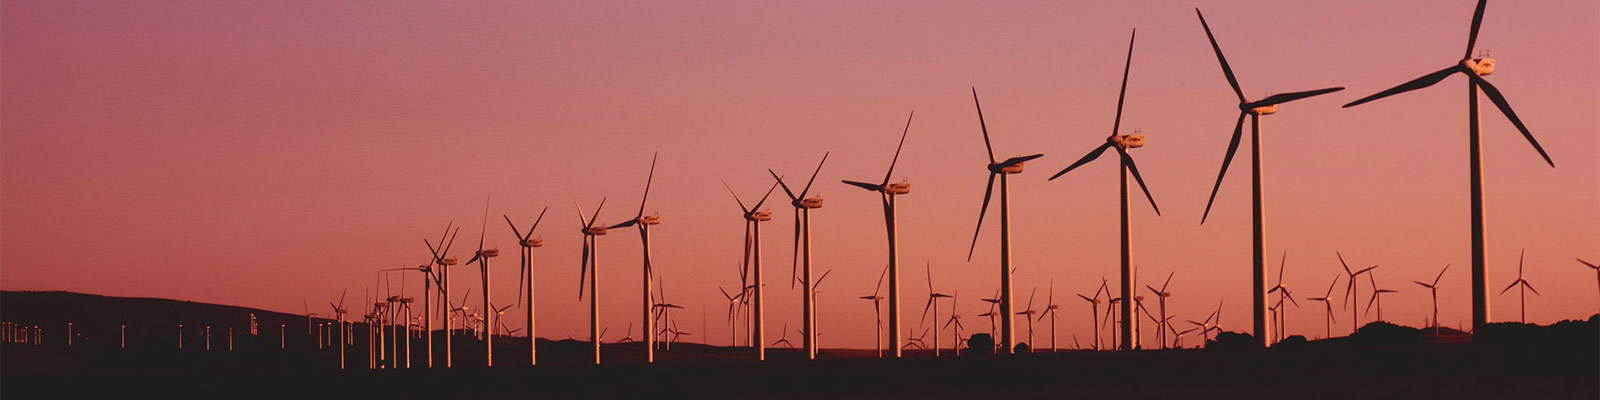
(810, 202)
(650, 219)
(759, 216)
(595, 231)
(486, 253)
(1133, 141)
(1481, 66)
(535, 242)
(1000, 168)
(448, 261)
(898, 188)
(1265, 110)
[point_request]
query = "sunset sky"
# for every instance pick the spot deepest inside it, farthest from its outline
(265, 153)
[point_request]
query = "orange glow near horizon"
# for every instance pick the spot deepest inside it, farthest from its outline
(261, 154)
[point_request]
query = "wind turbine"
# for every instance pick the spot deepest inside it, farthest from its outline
(802, 239)
(1161, 296)
(1350, 291)
(877, 314)
(1525, 287)
(887, 193)
(338, 312)
(816, 329)
(663, 309)
(1001, 169)
(525, 277)
(933, 303)
(1094, 310)
(643, 222)
(753, 216)
(482, 256)
(784, 339)
(1253, 109)
(1327, 300)
(591, 260)
(1122, 143)
(733, 315)
(1475, 69)
(1377, 296)
(442, 261)
(1592, 266)
(955, 318)
(1027, 314)
(1050, 312)
(308, 314)
(1433, 290)
(1283, 293)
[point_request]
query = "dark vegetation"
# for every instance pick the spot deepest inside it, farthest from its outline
(1380, 361)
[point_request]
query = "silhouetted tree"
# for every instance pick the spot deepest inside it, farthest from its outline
(980, 344)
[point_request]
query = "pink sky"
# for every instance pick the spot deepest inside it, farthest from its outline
(260, 154)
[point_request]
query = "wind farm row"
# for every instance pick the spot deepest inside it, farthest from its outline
(1126, 315)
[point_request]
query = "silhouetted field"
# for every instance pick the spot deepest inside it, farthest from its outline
(1381, 361)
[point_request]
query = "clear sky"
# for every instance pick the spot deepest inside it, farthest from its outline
(263, 153)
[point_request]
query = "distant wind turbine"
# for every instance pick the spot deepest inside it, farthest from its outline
(1327, 301)
(1122, 143)
(1433, 291)
(590, 270)
(482, 256)
(753, 216)
(1000, 169)
(1253, 109)
(1524, 287)
(1475, 69)
(877, 314)
(802, 254)
(887, 192)
(643, 222)
(525, 277)
(1350, 291)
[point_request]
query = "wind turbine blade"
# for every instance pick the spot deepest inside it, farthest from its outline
(897, 148)
(1116, 125)
(814, 174)
(1441, 275)
(981, 211)
(1414, 84)
(1530, 287)
(597, 209)
(1093, 154)
(879, 286)
(647, 181)
(1018, 160)
(514, 230)
(736, 196)
(795, 261)
(1477, 20)
(1281, 98)
(1370, 302)
(624, 224)
(1342, 263)
(583, 273)
(1508, 288)
(1233, 147)
(981, 124)
(863, 185)
(1505, 108)
(582, 219)
(1226, 70)
(484, 231)
(1170, 274)
(785, 186)
(1135, 170)
(765, 196)
(1586, 263)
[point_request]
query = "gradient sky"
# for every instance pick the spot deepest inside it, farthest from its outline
(263, 153)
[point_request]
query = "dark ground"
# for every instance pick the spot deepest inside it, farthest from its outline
(1383, 361)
